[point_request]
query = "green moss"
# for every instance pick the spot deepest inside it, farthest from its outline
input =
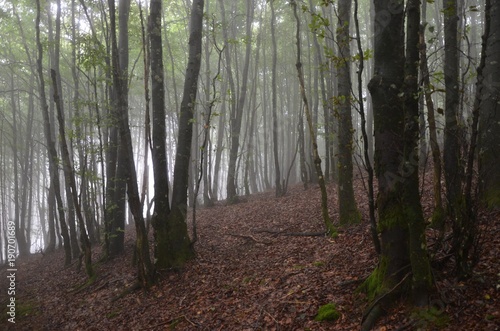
(23, 308)
(393, 213)
(247, 280)
(491, 198)
(351, 217)
(327, 312)
(430, 318)
(112, 314)
(86, 284)
(374, 284)
(299, 267)
(173, 245)
(318, 263)
(438, 216)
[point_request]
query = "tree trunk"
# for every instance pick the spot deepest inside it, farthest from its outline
(70, 178)
(159, 152)
(451, 151)
(438, 213)
(144, 265)
(51, 147)
(179, 248)
(489, 124)
(329, 227)
(366, 140)
(348, 210)
(420, 265)
(237, 115)
(384, 87)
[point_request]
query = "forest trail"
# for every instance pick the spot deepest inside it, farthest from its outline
(249, 275)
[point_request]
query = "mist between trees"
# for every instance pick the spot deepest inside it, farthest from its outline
(154, 107)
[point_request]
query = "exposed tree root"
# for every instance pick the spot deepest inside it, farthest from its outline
(248, 237)
(375, 310)
(127, 291)
(292, 234)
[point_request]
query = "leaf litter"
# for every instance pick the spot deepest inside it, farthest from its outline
(250, 275)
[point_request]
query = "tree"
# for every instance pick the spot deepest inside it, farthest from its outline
(144, 266)
(70, 178)
(393, 89)
(279, 189)
(162, 204)
(51, 146)
(237, 114)
(348, 210)
(489, 124)
(174, 240)
(330, 228)
(451, 150)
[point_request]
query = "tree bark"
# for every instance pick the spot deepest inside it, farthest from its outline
(237, 115)
(159, 152)
(420, 265)
(489, 124)
(277, 179)
(70, 178)
(451, 151)
(330, 228)
(51, 148)
(348, 210)
(179, 248)
(144, 265)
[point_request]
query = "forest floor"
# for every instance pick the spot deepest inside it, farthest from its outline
(251, 274)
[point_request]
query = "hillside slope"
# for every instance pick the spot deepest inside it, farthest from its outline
(252, 272)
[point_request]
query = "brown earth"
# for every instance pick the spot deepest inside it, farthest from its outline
(251, 274)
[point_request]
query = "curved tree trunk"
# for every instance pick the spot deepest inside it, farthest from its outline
(329, 227)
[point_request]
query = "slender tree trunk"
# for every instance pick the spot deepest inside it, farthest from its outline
(277, 178)
(70, 178)
(144, 265)
(451, 151)
(330, 229)
(420, 265)
(366, 140)
(438, 213)
(237, 115)
(51, 148)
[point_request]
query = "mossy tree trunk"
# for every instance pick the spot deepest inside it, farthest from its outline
(393, 89)
(420, 265)
(172, 239)
(348, 210)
